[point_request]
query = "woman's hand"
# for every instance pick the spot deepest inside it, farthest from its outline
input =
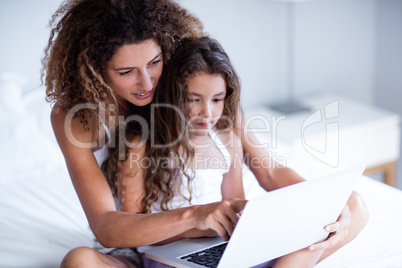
(221, 217)
(196, 233)
(337, 231)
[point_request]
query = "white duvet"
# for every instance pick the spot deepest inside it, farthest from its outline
(41, 218)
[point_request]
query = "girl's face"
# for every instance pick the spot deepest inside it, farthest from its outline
(133, 72)
(206, 99)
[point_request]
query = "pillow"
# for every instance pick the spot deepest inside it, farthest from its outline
(28, 146)
(11, 104)
(39, 109)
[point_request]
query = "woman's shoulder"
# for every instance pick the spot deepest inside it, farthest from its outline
(83, 117)
(82, 126)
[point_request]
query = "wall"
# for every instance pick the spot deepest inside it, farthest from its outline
(388, 86)
(24, 33)
(335, 47)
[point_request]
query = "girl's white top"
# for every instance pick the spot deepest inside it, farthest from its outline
(206, 185)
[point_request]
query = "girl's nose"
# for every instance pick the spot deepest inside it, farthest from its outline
(206, 110)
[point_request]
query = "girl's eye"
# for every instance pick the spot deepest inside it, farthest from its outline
(193, 100)
(217, 100)
(155, 62)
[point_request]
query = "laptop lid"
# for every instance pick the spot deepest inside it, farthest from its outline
(276, 223)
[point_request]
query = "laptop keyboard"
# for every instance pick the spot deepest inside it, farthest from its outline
(209, 257)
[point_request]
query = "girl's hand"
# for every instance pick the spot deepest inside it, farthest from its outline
(337, 231)
(221, 217)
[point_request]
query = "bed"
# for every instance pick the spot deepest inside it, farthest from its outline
(41, 217)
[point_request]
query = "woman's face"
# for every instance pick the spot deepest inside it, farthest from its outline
(206, 99)
(133, 72)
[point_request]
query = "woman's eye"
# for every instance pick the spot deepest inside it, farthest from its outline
(124, 73)
(217, 100)
(192, 100)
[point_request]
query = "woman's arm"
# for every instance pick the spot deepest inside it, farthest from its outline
(208, 220)
(122, 229)
(76, 144)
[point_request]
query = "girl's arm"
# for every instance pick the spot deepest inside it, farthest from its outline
(122, 229)
(232, 184)
(270, 176)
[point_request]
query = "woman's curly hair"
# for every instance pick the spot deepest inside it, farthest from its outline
(85, 35)
(170, 124)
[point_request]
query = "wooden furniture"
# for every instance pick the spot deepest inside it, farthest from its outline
(336, 132)
(388, 170)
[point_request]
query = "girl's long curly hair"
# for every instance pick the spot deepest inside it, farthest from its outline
(169, 124)
(85, 35)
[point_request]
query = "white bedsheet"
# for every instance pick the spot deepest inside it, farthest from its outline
(41, 218)
(380, 242)
(40, 215)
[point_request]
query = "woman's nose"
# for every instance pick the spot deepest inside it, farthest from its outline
(145, 81)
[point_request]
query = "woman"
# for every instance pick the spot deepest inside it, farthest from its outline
(102, 64)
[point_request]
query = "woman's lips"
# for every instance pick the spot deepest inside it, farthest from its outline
(143, 95)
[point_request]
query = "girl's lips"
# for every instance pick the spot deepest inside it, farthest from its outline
(204, 125)
(143, 95)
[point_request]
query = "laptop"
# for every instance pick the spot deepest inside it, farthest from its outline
(272, 225)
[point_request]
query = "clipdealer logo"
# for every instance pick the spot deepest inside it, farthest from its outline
(328, 152)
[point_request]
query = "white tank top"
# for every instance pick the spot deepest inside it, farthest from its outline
(206, 185)
(102, 153)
